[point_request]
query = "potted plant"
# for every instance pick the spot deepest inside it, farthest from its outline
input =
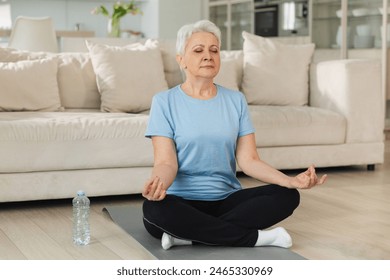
(120, 9)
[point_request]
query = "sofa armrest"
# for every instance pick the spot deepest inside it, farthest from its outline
(353, 89)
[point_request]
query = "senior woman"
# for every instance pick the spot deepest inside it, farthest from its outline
(199, 131)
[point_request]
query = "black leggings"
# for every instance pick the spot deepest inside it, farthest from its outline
(233, 221)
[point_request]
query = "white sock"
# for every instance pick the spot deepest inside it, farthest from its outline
(274, 237)
(167, 241)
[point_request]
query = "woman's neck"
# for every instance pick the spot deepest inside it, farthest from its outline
(200, 89)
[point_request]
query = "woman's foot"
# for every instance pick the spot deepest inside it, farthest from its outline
(274, 237)
(168, 241)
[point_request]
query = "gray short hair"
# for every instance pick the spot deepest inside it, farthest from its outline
(186, 31)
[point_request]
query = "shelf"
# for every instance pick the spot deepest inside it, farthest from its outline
(327, 2)
(365, 2)
(327, 18)
(353, 18)
(354, 3)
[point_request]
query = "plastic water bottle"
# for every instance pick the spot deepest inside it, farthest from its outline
(81, 233)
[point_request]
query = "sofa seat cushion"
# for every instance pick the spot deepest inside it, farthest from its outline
(297, 125)
(46, 141)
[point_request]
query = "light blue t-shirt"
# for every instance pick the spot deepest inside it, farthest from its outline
(205, 133)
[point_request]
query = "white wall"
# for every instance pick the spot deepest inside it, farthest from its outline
(150, 18)
(163, 18)
(178, 13)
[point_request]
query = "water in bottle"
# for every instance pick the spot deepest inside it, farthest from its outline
(81, 233)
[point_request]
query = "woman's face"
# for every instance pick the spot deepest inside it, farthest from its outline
(201, 56)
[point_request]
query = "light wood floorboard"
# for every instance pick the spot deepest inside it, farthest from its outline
(348, 218)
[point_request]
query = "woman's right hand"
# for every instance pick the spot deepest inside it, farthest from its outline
(307, 179)
(154, 189)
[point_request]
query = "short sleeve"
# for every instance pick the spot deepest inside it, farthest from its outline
(160, 120)
(246, 125)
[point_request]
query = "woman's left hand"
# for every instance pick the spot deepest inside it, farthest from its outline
(307, 179)
(154, 189)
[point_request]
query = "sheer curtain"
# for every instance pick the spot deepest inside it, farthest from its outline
(5, 16)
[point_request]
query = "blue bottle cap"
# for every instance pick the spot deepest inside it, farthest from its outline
(80, 193)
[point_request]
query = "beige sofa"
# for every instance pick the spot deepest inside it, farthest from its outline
(73, 121)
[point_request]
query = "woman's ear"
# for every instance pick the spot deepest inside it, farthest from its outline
(179, 60)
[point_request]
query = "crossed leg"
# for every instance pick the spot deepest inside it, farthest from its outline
(238, 220)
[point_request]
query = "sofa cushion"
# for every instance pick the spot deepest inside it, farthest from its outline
(29, 85)
(172, 71)
(275, 73)
(167, 47)
(13, 55)
(36, 141)
(77, 81)
(297, 125)
(128, 77)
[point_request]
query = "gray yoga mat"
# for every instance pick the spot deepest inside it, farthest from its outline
(130, 219)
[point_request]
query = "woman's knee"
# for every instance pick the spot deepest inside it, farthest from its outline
(288, 199)
(153, 229)
(286, 196)
(152, 217)
(295, 196)
(152, 210)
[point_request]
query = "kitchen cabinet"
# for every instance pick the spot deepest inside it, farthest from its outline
(232, 17)
(347, 24)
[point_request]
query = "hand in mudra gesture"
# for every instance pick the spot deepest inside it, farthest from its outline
(154, 189)
(307, 179)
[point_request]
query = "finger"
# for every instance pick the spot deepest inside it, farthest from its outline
(155, 183)
(156, 194)
(311, 169)
(162, 195)
(145, 192)
(146, 189)
(151, 188)
(323, 179)
(307, 172)
(158, 190)
(313, 176)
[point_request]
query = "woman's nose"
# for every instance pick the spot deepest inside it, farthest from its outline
(207, 56)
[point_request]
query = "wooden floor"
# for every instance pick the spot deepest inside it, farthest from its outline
(348, 218)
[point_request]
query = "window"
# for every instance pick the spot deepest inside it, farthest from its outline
(289, 16)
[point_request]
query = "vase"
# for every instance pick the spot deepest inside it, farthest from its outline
(114, 27)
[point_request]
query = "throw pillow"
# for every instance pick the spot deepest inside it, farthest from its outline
(76, 78)
(230, 73)
(227, 75)
(29, 86)
(172, 70)
(128, 76)
(275, 73)
(77, 81)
